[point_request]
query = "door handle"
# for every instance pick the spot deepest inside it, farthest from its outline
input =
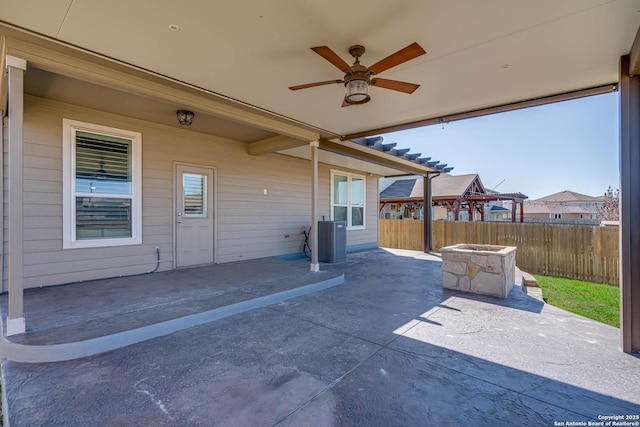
(179, 217)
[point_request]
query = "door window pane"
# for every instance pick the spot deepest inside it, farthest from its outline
(194, 190)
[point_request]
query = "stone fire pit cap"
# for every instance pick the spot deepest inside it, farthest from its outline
(478, 249)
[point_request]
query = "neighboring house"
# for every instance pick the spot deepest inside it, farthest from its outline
(564, 206)
(454, 197)
(497, 212)
(103, 181)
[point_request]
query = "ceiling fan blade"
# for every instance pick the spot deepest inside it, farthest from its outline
(305, 86)
(395, 85)
(332, 57)
(403, 55)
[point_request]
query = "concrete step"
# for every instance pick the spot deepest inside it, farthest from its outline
(529, 280)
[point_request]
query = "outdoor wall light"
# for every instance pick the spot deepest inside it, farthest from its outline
(185, 117)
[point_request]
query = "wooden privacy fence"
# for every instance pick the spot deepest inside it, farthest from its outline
(576, 251)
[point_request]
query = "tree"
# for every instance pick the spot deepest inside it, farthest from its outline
(609, 209)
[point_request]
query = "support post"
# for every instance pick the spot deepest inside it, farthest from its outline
(482, 211)
(629, 208)
(513, 211)
(456, 210)
(15, 320)
(427, 217)
(315, 265)
(471, 206)
(522, 211)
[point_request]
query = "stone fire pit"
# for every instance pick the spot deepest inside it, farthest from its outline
(480, 269)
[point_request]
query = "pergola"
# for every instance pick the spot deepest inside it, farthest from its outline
(472, 202)
(478, 200)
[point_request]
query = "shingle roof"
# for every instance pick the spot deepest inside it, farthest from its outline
(400, 188)
(535, 207)
(568, 196)
(450, 185)
(441, 186)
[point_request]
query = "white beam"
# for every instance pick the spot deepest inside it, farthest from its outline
(634, 56)
(315, 265)
(273, 144)
(15, 319)
(629, 209)
(3, 77)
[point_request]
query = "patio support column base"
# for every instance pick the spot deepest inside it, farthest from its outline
(16, 326)
(315, 267)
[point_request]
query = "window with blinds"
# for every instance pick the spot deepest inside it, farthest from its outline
(103, 186)
(104, 207)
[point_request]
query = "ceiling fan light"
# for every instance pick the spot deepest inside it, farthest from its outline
(357, 91)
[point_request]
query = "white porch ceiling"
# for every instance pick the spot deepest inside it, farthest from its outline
(65, 89)
(479, 54)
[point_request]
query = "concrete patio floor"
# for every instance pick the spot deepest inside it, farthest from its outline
(388, 347)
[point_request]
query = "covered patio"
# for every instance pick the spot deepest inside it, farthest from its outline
(501, 58)
(387, 347)
(86, 318)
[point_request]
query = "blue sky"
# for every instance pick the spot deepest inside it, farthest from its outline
(571, 145)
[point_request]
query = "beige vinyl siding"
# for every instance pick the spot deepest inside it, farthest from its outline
(250, 224)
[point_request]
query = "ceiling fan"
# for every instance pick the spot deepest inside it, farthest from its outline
(358, 78)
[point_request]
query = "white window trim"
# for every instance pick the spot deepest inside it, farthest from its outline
(69, 128)
(350, 175)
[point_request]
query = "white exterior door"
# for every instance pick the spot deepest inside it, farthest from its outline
(195, 215)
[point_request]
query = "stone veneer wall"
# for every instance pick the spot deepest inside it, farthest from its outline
(480, 269)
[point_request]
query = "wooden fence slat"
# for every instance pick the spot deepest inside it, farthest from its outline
(575, 251)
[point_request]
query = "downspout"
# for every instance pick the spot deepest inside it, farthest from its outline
(428, 216)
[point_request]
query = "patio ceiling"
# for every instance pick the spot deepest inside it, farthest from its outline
(479, 54)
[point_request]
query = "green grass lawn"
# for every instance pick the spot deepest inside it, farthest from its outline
(596, 301)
